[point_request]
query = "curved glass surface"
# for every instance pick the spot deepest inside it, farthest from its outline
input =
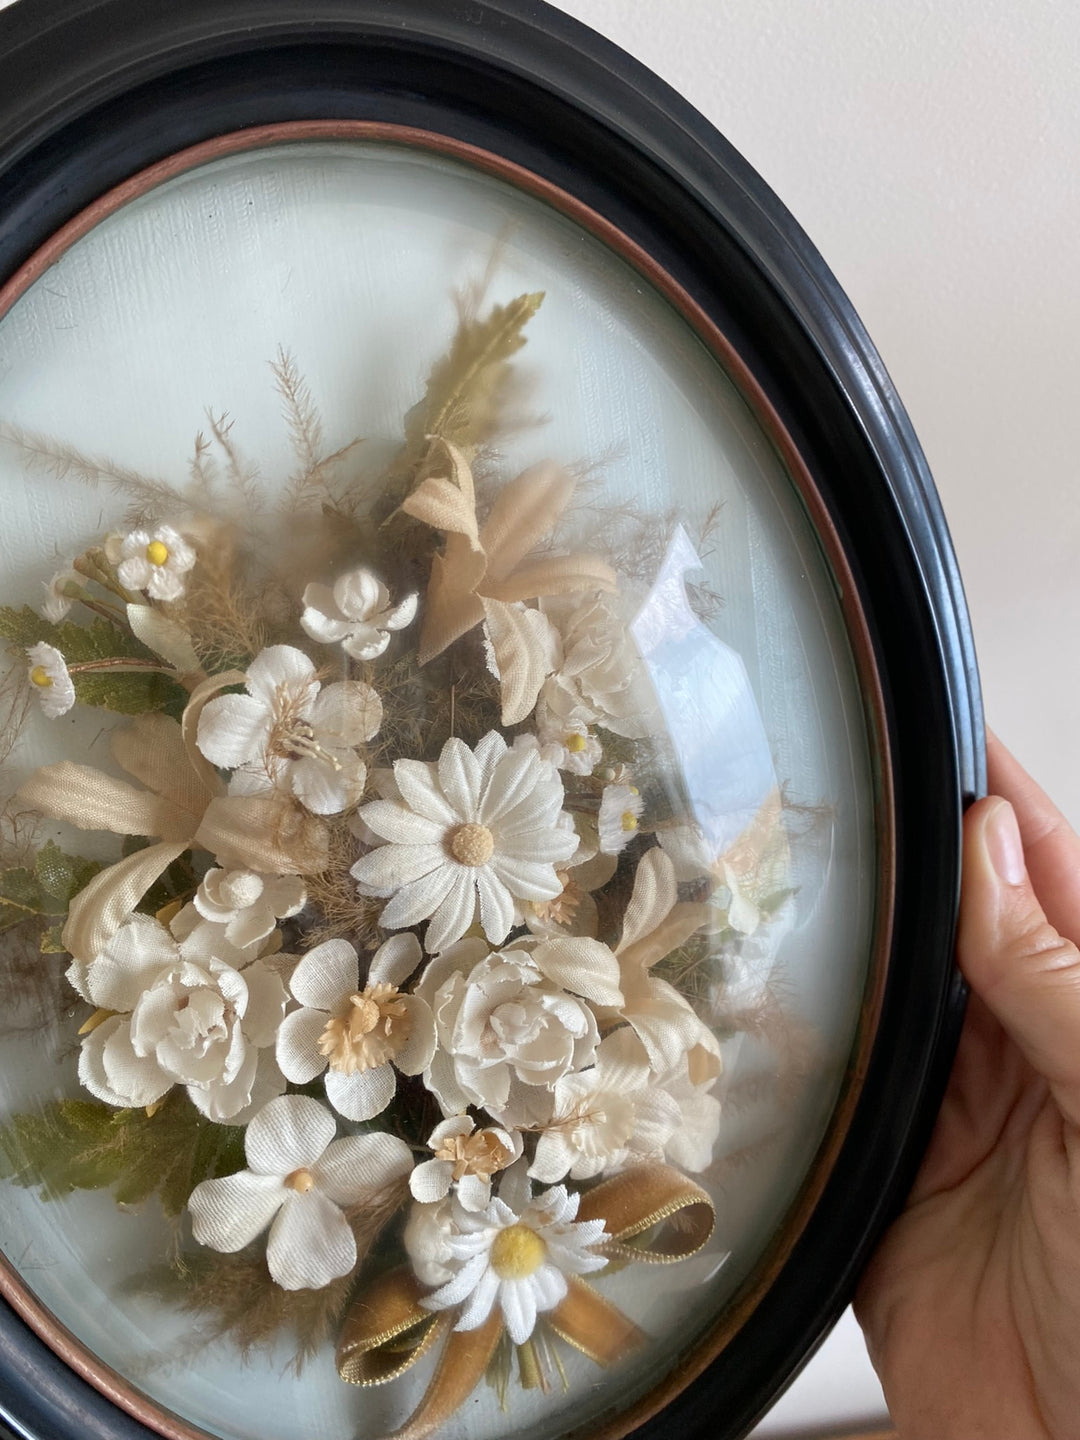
(572, 859)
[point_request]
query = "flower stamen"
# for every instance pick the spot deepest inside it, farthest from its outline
(373, 1029)
(300, 1180)
(40, 677)
(157, 552)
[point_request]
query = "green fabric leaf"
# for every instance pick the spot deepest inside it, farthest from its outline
(46, 891)
(133, 693)
(84, 1145)
(52, 942)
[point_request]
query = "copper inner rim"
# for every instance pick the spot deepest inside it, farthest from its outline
(713, 1341)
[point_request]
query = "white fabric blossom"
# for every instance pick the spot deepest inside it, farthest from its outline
(510, 1024)
(299, 1181)
(515, 1254)
(58, 602)
(465, 1160)
(601, 679)
(289, 732)
(568, 745)
(356, 612)
(606, 1117)
(617, 822)
(184, 1015)
(153, 560)
(247, 905)
(481, 828)
(50, 680)
(358, 1035)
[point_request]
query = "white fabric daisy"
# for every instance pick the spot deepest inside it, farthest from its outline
(358, 1035)
(568, 745)
(299, 1182)
(289, 732)
(245, 904)
(617, 822)
(515, 1254)
(356, 612)
(182, 1015)
(155, 561)
(465, 1160)
(50, 680)
(482, 827)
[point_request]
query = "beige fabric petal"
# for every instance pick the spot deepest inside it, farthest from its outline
(152, 750)
(553, 575)
(527, 650)
(165, 637)
(654, 896)
(525, 512)
(93, 800)
(190, 724)
(98, 911)
(264, 833)
(685, 919)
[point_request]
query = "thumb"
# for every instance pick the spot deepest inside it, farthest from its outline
(1012, 956)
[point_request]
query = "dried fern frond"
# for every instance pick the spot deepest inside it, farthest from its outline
(466, 390)
(63, 462)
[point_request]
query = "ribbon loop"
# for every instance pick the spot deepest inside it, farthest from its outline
(387, 1331)
(647, 1196)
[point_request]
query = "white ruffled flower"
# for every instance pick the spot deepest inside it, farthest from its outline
(617, 822)
(289, 732)
(299, 1182)
(484, 826)
(357, 612)
(155, 561)
(510, 1024)
(245, 904)
(606, 1117)
(689, 1083)
(50, 680)
(359, 1036)
(183, 1015)
(58, 602)
(515, 1254)
(465, 1160)
(601, 679)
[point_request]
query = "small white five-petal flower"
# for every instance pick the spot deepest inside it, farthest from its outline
(481, 828)
(356, 612)
(299, 1183)
(465, 1159)
(515, 1253)
(155, 561)
(50, 680)
(617, 822)
(359, 1036)
(289, 732)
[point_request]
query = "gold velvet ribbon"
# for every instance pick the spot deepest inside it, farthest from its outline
(652, 1214)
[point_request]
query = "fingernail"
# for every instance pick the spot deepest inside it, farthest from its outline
(1004, 844)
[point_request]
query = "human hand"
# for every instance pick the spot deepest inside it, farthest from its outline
(971, 1306)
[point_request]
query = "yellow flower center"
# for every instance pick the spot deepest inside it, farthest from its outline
(301, 1181)
(517, 1252)
(157, 552)
(576, 743)
(373, 1029)
(471, 844)
(629, 820)
(40, 676)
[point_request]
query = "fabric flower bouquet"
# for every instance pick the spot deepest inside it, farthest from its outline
(404, 993)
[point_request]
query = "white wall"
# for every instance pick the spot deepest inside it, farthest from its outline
(931, 148)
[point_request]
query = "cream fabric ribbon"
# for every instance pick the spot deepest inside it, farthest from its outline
(485, 568)
(183, 806)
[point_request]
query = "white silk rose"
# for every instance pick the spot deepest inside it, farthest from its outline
(511, 1023)
(184, 1015)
